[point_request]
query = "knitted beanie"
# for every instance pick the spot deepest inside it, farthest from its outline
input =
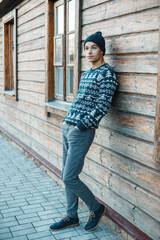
(98, 39)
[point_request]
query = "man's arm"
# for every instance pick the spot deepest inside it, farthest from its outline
(107, 88)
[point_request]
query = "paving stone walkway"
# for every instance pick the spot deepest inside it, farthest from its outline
(30, 201)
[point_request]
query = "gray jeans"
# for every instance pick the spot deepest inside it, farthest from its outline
(76, 144)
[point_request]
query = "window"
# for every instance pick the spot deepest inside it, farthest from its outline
(63, 50)
(10, 77)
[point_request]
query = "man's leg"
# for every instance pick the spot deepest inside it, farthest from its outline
(72, 199)
(79, 143)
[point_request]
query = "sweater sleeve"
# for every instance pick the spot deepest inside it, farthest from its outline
(107, 87)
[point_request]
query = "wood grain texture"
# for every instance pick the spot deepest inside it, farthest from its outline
(144, 63)
(108, 10)
(125, 25)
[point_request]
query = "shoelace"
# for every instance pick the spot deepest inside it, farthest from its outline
(91, 216)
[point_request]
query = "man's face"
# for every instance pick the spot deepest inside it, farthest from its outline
(93, 52)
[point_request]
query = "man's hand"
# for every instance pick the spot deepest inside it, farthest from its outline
(63, 123)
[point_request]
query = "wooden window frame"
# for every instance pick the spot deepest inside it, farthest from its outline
(10, 91)
(62, 37)
(53, 105)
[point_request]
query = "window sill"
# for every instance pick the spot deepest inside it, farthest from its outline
(9, 92)
(58, 107)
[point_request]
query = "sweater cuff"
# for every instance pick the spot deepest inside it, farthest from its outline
(81, 126)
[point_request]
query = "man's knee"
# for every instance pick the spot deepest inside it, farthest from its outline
(66, 179)
(69, 181)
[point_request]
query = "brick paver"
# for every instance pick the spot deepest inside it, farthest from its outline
(30, 201)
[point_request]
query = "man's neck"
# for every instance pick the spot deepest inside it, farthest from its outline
(97, 64)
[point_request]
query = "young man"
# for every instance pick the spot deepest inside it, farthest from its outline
(96, 90)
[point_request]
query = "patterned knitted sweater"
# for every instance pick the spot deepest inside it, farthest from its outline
(94, 97)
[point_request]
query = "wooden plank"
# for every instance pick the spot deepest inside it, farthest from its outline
(37, 22)
(134, 103)
(30, 46)
(91, 3)
(125, 24)
(51, 129)
(31, 97)
(1, 74)
(32, 66)
(49, 143)
(1, 88)
(33, 13)
(1, 63)
(139, 84)
(34, 55)
(32, 110)
(24, 107)
(22, 3)
(35, 145)
(31, 86)
(127, 146)
(145, 63)
(130, 124)
(133, 214)
(126, 168)
(129, 190)
(31, 76)
(109, 9)
(28, 6)
(34, 34)
(133, 43)
(1, 30)
(32, 24)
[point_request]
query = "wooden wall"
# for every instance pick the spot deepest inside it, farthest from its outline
(120, 167)
(121, 160)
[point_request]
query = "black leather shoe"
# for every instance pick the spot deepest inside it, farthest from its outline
(66, 222)
(95, 218)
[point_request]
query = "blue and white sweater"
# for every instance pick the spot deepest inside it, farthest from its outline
(94, 97)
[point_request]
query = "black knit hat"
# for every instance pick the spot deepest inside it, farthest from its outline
(98, 39)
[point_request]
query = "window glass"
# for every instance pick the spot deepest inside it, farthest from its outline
(71, 22)
(60, 19)
(59, 80)
(58, 50)
(71, 47)
(70, 79)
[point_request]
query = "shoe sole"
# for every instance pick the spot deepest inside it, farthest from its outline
(105, 210)
(74, 225)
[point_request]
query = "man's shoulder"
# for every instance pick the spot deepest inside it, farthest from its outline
(106, 68)
(107, 75)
